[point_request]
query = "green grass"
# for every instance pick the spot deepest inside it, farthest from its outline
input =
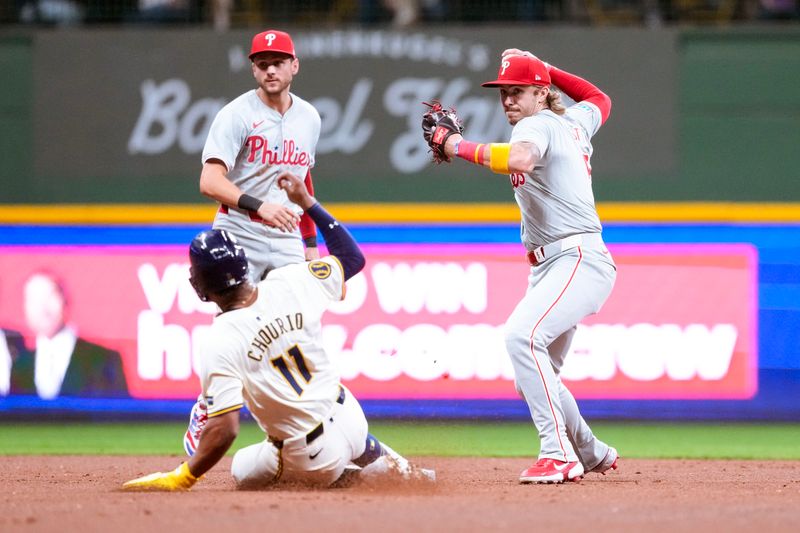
(644, 440)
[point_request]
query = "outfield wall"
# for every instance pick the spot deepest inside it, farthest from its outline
(695, 174)
(702, 324)
(697, 116)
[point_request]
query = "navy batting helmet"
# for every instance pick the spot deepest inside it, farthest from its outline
(218, 262)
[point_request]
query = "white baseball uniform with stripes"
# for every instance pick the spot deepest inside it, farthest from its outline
(557, 203)
(270, 356)
(257, 144)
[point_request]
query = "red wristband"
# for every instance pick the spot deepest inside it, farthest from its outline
(467, 149)
(479, 154)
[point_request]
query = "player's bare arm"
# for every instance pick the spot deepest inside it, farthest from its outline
(218, 436)
(443, 131)
(279, 216)
(296, 190)
(522, 157)
(215, 184)
(337, 238)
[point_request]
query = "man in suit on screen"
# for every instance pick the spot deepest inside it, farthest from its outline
(62, 363)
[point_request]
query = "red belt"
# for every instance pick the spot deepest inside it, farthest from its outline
(532, 259)
(224, 209)
(539, 255)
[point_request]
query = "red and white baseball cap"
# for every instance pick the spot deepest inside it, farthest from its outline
(272, 41)
(521, 70)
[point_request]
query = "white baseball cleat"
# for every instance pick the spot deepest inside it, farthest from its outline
(552, 471)
(387, 468)
(407, 470)
(392, 464)
(609, 462)
(429, 474)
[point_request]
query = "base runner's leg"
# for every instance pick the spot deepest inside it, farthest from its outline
(374, 458)
(257, 466)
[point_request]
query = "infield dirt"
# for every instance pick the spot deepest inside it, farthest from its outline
(81, 493)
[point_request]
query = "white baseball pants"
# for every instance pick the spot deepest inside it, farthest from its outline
(561, 292)
(319, 462)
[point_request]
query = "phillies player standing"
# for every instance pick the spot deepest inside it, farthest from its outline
(253, 139)
(265, 350)
(572, 273)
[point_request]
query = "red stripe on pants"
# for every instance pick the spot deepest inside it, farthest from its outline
(546, 390)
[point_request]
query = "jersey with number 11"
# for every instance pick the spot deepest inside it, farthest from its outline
(270, 354)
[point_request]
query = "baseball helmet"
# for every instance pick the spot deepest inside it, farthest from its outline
(218, 262)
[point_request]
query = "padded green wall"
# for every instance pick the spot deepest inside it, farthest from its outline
(16, 98)
(738, 132)
(740, 116)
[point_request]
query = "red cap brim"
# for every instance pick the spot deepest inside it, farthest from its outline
(500, 83)
(271, 51)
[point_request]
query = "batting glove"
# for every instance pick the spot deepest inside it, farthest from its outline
(179, 479)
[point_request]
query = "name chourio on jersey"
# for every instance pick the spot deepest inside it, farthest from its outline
(272, 331)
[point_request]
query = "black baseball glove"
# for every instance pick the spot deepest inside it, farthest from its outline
(438, 124)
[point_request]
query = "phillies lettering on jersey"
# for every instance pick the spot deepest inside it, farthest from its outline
(517, 179)
(290, 155)
(257, 144)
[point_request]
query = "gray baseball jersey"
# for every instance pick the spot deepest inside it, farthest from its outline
(257, 144)
(556, 200)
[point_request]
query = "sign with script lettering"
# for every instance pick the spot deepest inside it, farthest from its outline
(138, 122)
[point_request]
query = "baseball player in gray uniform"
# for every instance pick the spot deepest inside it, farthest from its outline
(571, 271)
(253, 139)
(265, 350)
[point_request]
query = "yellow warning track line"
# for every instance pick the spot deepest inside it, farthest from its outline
(399, 213)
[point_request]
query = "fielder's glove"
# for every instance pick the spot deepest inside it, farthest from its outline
(177, 480)
(438, 124)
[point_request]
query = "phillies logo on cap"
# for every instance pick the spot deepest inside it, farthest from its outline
(272, 41)
(520, 70)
